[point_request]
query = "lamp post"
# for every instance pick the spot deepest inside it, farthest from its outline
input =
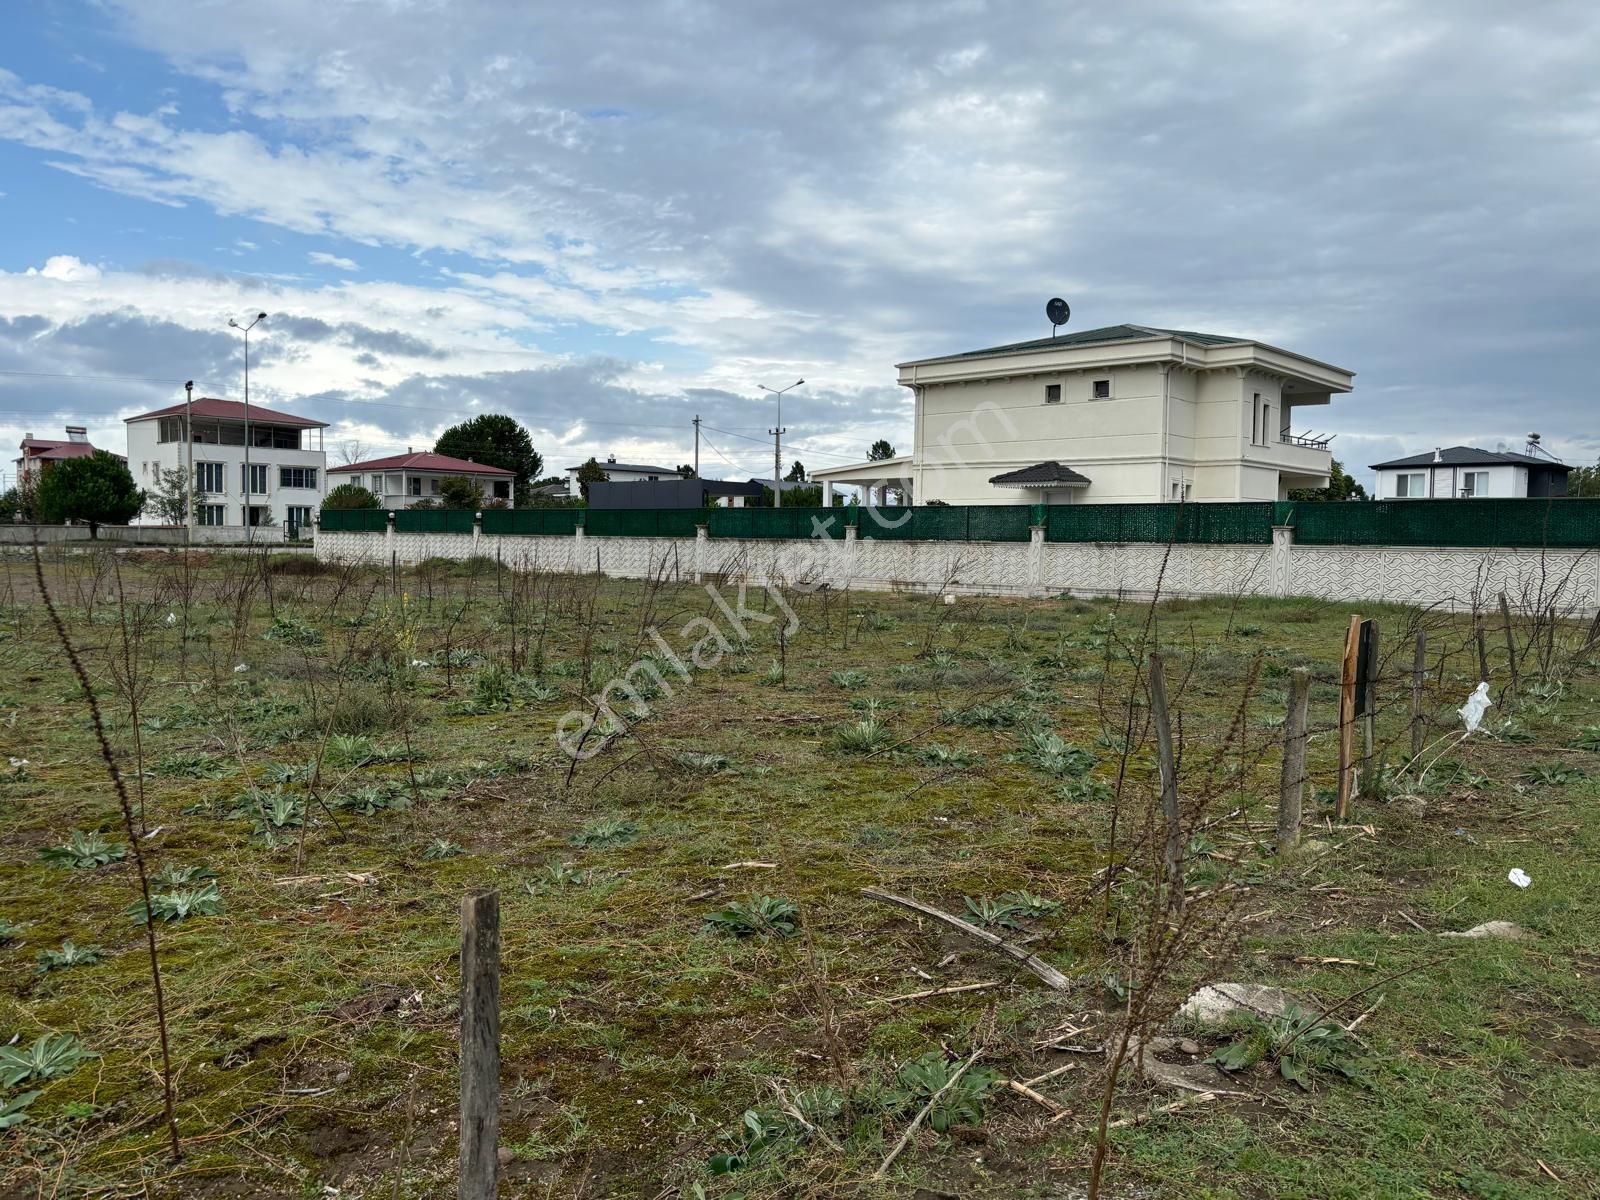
(777, 437)
(245, 329)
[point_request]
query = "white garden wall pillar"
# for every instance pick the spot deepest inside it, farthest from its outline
(702, 551)
(1282, 553)
(577, 549)
(827, 493)
(477, 532)
(851, 546)
(1036, 560)
(388, 538)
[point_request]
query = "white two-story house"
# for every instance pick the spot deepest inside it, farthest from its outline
(1466, 472)
(1123, 414)
(250, 468)
(402, 480)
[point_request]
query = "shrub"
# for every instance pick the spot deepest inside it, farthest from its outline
(181, 904)
(862, 737)
(53, 1055)
(962, 1104)
(70, 955)
(609, 831)
(769, 916)
(85, 851)
(936, 754)
(441, 848)
(848, 681)
(1048, 751)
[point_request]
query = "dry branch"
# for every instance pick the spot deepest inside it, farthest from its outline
(1016, 954)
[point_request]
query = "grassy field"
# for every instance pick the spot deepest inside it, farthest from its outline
(697, 998)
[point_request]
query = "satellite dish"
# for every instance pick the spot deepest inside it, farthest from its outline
(1058, 310)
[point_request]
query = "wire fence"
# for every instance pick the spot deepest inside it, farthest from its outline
(1556, 523)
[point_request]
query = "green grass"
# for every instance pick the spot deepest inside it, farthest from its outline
(316, 1010)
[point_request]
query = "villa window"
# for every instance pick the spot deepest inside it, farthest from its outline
(254, 477)
(1100, 389)
(297, 477)
(208, 514)
(1475, 483)
(208, 477)
(1052, 393)
(1410, 486)
(416, 485)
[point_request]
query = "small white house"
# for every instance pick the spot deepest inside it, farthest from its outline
(402, 480)
(1122, 414)
(621, 473)
(235, 451)
(1466, 472)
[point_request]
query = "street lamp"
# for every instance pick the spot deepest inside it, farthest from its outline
(777, 436)
(245, 329)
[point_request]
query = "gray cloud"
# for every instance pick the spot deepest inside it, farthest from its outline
(1406, 190)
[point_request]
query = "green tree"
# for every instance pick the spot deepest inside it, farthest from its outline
(98, 489)
(1341, 486)
(459, 492)
(1584, 481)
(169, 502)
(590, 472)
(880, 450)
(686, 470)
(350, 495)
(21, 503)
(498, 441)
(797, 473)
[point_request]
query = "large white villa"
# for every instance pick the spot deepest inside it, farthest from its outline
(1123, 414)
(252, 466)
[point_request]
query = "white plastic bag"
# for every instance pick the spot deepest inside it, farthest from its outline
(1519, 877)
(1477, 703)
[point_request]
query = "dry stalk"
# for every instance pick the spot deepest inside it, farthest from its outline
(117, 784)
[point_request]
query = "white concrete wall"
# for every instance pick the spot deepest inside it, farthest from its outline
(1455, 578)
(146, 455)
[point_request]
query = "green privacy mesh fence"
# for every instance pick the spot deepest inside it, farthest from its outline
(353, 520)
(1557, 523)
(558, 522)
(641, 522)
(776, 522)
(1247, 522)
(948, 523)
(433, 520)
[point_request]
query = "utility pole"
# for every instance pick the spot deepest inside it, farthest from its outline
(697, 445)
(777, 433)
(188, 436)
(248, 527)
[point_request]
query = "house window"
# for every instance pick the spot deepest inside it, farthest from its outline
(208, 478)
(1410, 486)
(208, 514)
(1100, 389)
(502, 489)
(254, 476)
(258, 514)
(169, 429)
(1052, 393)
(416, 485)
(433, 486)
(1255, 419)
(297, 477)
(300, 515)
(1475, 483)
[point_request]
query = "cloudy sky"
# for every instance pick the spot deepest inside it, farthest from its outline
(608, 217)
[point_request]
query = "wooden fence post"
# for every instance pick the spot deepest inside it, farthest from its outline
(1483, 656)
(1369, 702)
(480, 1045)
(1511, 642)
(1418, 670)
(1347, 715)
(1291, 788)
(1169, 783)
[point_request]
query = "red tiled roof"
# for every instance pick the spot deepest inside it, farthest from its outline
(210, 406)
(58, 450)
(422, 462)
